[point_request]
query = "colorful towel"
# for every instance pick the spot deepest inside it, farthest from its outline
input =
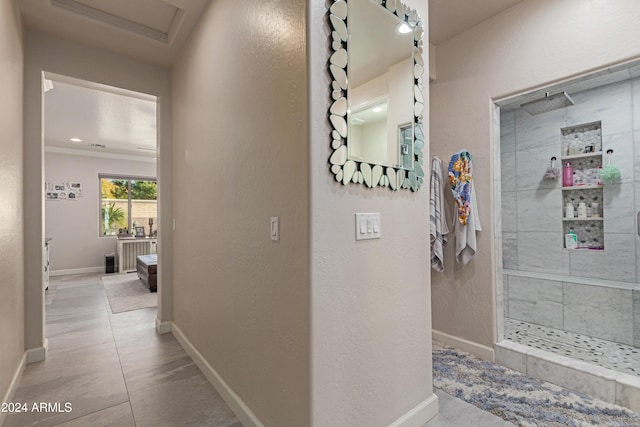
(468, 223)
(437, 216)
(460, 177)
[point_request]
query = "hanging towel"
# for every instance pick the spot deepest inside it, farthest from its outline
(437, 216)
(467, 221)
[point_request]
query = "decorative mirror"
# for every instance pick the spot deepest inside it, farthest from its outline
(376, 115)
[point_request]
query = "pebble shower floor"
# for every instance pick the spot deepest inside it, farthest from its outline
(607, 354)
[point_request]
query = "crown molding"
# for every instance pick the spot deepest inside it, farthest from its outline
(87, 153)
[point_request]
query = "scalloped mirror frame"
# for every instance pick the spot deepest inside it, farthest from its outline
(351, 171)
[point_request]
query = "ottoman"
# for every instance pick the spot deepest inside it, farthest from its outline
(147, 268)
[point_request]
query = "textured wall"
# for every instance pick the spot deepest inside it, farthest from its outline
(11, 222)
(530, 45)
(74, 225)
(241, 156)
(371, 301)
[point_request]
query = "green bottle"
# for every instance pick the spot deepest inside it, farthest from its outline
(571, 239)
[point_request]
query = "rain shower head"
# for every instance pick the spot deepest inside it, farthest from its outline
(548, 103)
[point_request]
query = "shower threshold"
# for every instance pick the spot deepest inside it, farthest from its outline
(611, 355)
(603, 369)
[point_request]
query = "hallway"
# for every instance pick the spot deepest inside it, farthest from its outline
(114, 369)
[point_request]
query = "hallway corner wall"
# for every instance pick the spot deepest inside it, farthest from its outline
(11, 212)
(528, 46)
(371, 300)
(241, 157)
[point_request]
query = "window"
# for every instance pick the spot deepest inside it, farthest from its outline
(127, 203)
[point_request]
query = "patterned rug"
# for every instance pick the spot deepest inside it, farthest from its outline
(519, 398)
(126, 292)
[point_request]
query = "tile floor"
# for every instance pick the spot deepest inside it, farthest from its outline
(116, 371)
(113, 368)
(608, 354)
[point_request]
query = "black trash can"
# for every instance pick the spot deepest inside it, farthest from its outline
(110, 263)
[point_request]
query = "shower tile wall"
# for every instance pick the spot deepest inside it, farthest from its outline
(532, 210)
(599, 311)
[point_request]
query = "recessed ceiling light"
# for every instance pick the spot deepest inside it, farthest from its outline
(75, 140)
(403, 28)
(376, 109)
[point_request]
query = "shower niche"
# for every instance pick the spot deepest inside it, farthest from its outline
(582, 196)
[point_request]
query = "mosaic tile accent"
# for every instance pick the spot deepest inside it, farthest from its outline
(608, 354)
(590, 232)
(579, 139)
(586, 171)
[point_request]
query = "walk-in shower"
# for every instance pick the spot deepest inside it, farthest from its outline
(577, 301)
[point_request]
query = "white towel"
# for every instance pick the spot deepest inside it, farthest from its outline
(466, 234)
(437, 215)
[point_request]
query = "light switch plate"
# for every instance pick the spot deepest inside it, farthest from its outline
(275, 228)
(368, 226)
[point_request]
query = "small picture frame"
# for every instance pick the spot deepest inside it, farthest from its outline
(589, 149)
(140, 232)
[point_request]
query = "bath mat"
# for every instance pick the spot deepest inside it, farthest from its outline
(520, 398)
(126, 293)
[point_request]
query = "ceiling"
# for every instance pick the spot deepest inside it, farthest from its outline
(374, 43)
(448, 18)
(149, 30)
(106, 119)
(155, 31)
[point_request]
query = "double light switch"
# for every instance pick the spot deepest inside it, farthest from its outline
(368, 226)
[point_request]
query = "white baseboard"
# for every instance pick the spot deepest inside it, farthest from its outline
(84, 270)
(8, 397)
(419, 415)
(163, 327)
(242, 411)
(483, 352)
(37, 354)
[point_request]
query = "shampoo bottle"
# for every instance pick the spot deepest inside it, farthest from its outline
(582, 210)
(568, 210)
(571, 239)
(567, 176)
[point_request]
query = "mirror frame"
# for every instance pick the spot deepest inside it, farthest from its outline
(372, 175)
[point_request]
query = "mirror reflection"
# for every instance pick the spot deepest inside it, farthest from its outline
(380, 86)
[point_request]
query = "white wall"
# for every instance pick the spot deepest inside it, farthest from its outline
(530, 45)
(11, 208)
(241, 157)
(371, 300)
(45, 53)
(74, 225)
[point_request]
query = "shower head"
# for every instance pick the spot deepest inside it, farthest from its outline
(548, 103)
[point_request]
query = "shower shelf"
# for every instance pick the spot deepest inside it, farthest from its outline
(576, 140)
(582, 156)
(582, 187)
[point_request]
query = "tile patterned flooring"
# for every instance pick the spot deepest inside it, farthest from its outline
(114, 369)
(611, 355)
